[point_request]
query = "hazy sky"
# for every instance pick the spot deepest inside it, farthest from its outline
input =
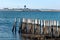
(38, 4)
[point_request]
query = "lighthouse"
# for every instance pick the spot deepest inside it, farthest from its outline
(24, 6)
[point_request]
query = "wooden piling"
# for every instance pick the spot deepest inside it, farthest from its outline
(24, 25)
(29, 26)
(48, 28)
(33, 26)
(37, 26)
(20, 26)
(14, 26)
(42, 26)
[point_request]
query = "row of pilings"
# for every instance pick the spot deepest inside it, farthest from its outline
(37, 26)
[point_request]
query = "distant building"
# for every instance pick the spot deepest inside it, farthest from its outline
(6, 8)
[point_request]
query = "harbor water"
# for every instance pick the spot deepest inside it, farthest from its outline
(7, 19)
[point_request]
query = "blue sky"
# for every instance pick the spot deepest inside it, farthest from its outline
(37, 4)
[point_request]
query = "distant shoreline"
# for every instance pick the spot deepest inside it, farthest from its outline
(30, 10)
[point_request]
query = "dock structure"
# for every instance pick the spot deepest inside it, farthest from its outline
(40, 29)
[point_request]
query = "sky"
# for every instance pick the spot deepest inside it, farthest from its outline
(34, 4)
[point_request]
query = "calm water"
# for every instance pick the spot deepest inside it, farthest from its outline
(7, 21)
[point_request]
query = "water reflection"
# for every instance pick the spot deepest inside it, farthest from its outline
(6, 33)
(5, 29)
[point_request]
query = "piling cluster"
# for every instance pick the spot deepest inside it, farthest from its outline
(38, 27)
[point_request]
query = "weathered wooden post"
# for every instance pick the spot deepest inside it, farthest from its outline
(20, 26)
(29, 26)
(14, 26)
(24, 25)
(42, 26)
(57, 29)
(46, 27)
(57, 25)
(52, 29)
(37, 26)
(33, 24)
